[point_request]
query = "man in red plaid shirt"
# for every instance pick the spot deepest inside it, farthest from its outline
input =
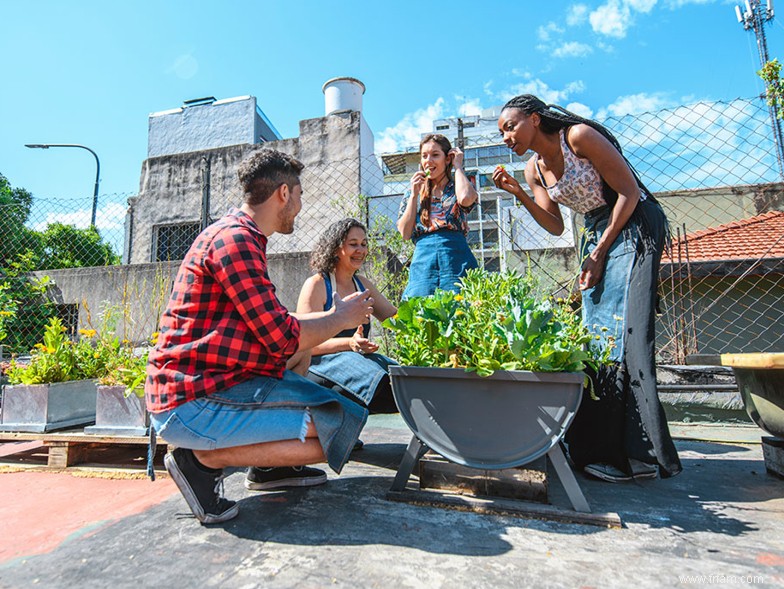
(221, 381)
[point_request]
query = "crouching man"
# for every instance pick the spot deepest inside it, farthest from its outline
(221, 382)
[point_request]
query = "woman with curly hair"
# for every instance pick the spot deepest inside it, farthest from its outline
(433, 213)
(578, 163)
(347, 362)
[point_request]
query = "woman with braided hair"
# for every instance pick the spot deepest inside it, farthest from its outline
(433, 214)
(579, 164)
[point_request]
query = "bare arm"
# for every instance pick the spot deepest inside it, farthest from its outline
(544, 211)
(464, 191)
(318, 327)
(407, 221)
(382, 308)
(312, 298)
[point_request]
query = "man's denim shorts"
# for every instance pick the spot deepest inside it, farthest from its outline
(266, 409)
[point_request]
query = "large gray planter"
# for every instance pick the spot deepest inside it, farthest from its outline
(118, 415)
(506, 420)
(42, 408)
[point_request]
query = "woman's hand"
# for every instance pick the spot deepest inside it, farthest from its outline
(505, 181)
(417, 183)
(360, 344)
(457, 157)
(593, 268)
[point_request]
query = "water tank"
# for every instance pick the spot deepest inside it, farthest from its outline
(342, 94)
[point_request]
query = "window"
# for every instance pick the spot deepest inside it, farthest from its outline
(442, 127)
(173, 241)
(469, 157)
(494, 154)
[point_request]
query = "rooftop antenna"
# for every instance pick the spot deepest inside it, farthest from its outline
(753, 16)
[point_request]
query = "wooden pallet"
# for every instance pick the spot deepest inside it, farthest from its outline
(73, 447)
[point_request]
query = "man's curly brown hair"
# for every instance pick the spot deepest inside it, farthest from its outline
(324, 257)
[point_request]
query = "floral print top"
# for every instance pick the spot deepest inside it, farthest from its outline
(581, 187)
(445, 213)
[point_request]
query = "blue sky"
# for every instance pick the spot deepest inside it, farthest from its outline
(91, 72)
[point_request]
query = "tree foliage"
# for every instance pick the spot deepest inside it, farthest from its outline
(25, 308)
(771, 75)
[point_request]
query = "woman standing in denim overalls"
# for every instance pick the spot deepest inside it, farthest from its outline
(578, 163)
(433, 214)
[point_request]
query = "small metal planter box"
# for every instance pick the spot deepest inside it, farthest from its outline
(41, 408)
(118, 415)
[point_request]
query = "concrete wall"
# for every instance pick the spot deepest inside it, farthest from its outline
(141, 291)
(206, 126)
(171, 187)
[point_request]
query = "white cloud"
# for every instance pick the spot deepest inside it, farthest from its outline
(408, 131)
(579, 108)
(545, 32)
(469, 106)
(611, 19)
(572, 49)
(541, 89)
(614, 17)
(635, 104)
(576, 15)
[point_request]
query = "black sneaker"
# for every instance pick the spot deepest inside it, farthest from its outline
(265, 479)
(199, 487)
(643, 470)
(607, 472)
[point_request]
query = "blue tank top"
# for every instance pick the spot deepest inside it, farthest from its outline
(328, 304)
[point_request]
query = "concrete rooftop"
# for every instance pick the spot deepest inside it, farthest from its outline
(719, 522)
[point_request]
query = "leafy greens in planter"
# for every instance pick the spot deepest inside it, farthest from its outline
(495, 322)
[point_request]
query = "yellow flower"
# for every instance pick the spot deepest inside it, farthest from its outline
(125, 342)
(96, 355)
(459, 312)
(88, 332)
(459, 297)
(6, 313)
(50, 350)
(154, 337)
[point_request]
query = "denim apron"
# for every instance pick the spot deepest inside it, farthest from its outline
(355, 373)
(440, 259)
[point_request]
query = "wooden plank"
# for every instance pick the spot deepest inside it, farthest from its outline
(65, 454)
(753, 360)
(496, 506)
(528, 482)
(73, 435)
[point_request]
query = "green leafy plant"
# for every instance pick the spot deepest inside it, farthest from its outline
(774, 85)
(496, 322)
(96, 355)
(53, 360)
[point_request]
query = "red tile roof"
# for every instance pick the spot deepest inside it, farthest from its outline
(753, 238)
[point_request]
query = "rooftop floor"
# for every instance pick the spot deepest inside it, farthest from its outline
(720, 522)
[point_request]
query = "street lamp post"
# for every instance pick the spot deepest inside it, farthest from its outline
(97, 169)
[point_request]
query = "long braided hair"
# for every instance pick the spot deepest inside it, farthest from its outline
(426, 194)
(554, 118)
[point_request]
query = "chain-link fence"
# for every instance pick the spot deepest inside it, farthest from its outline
(711, 165)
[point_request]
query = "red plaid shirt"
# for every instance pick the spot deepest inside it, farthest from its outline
(223, 324)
